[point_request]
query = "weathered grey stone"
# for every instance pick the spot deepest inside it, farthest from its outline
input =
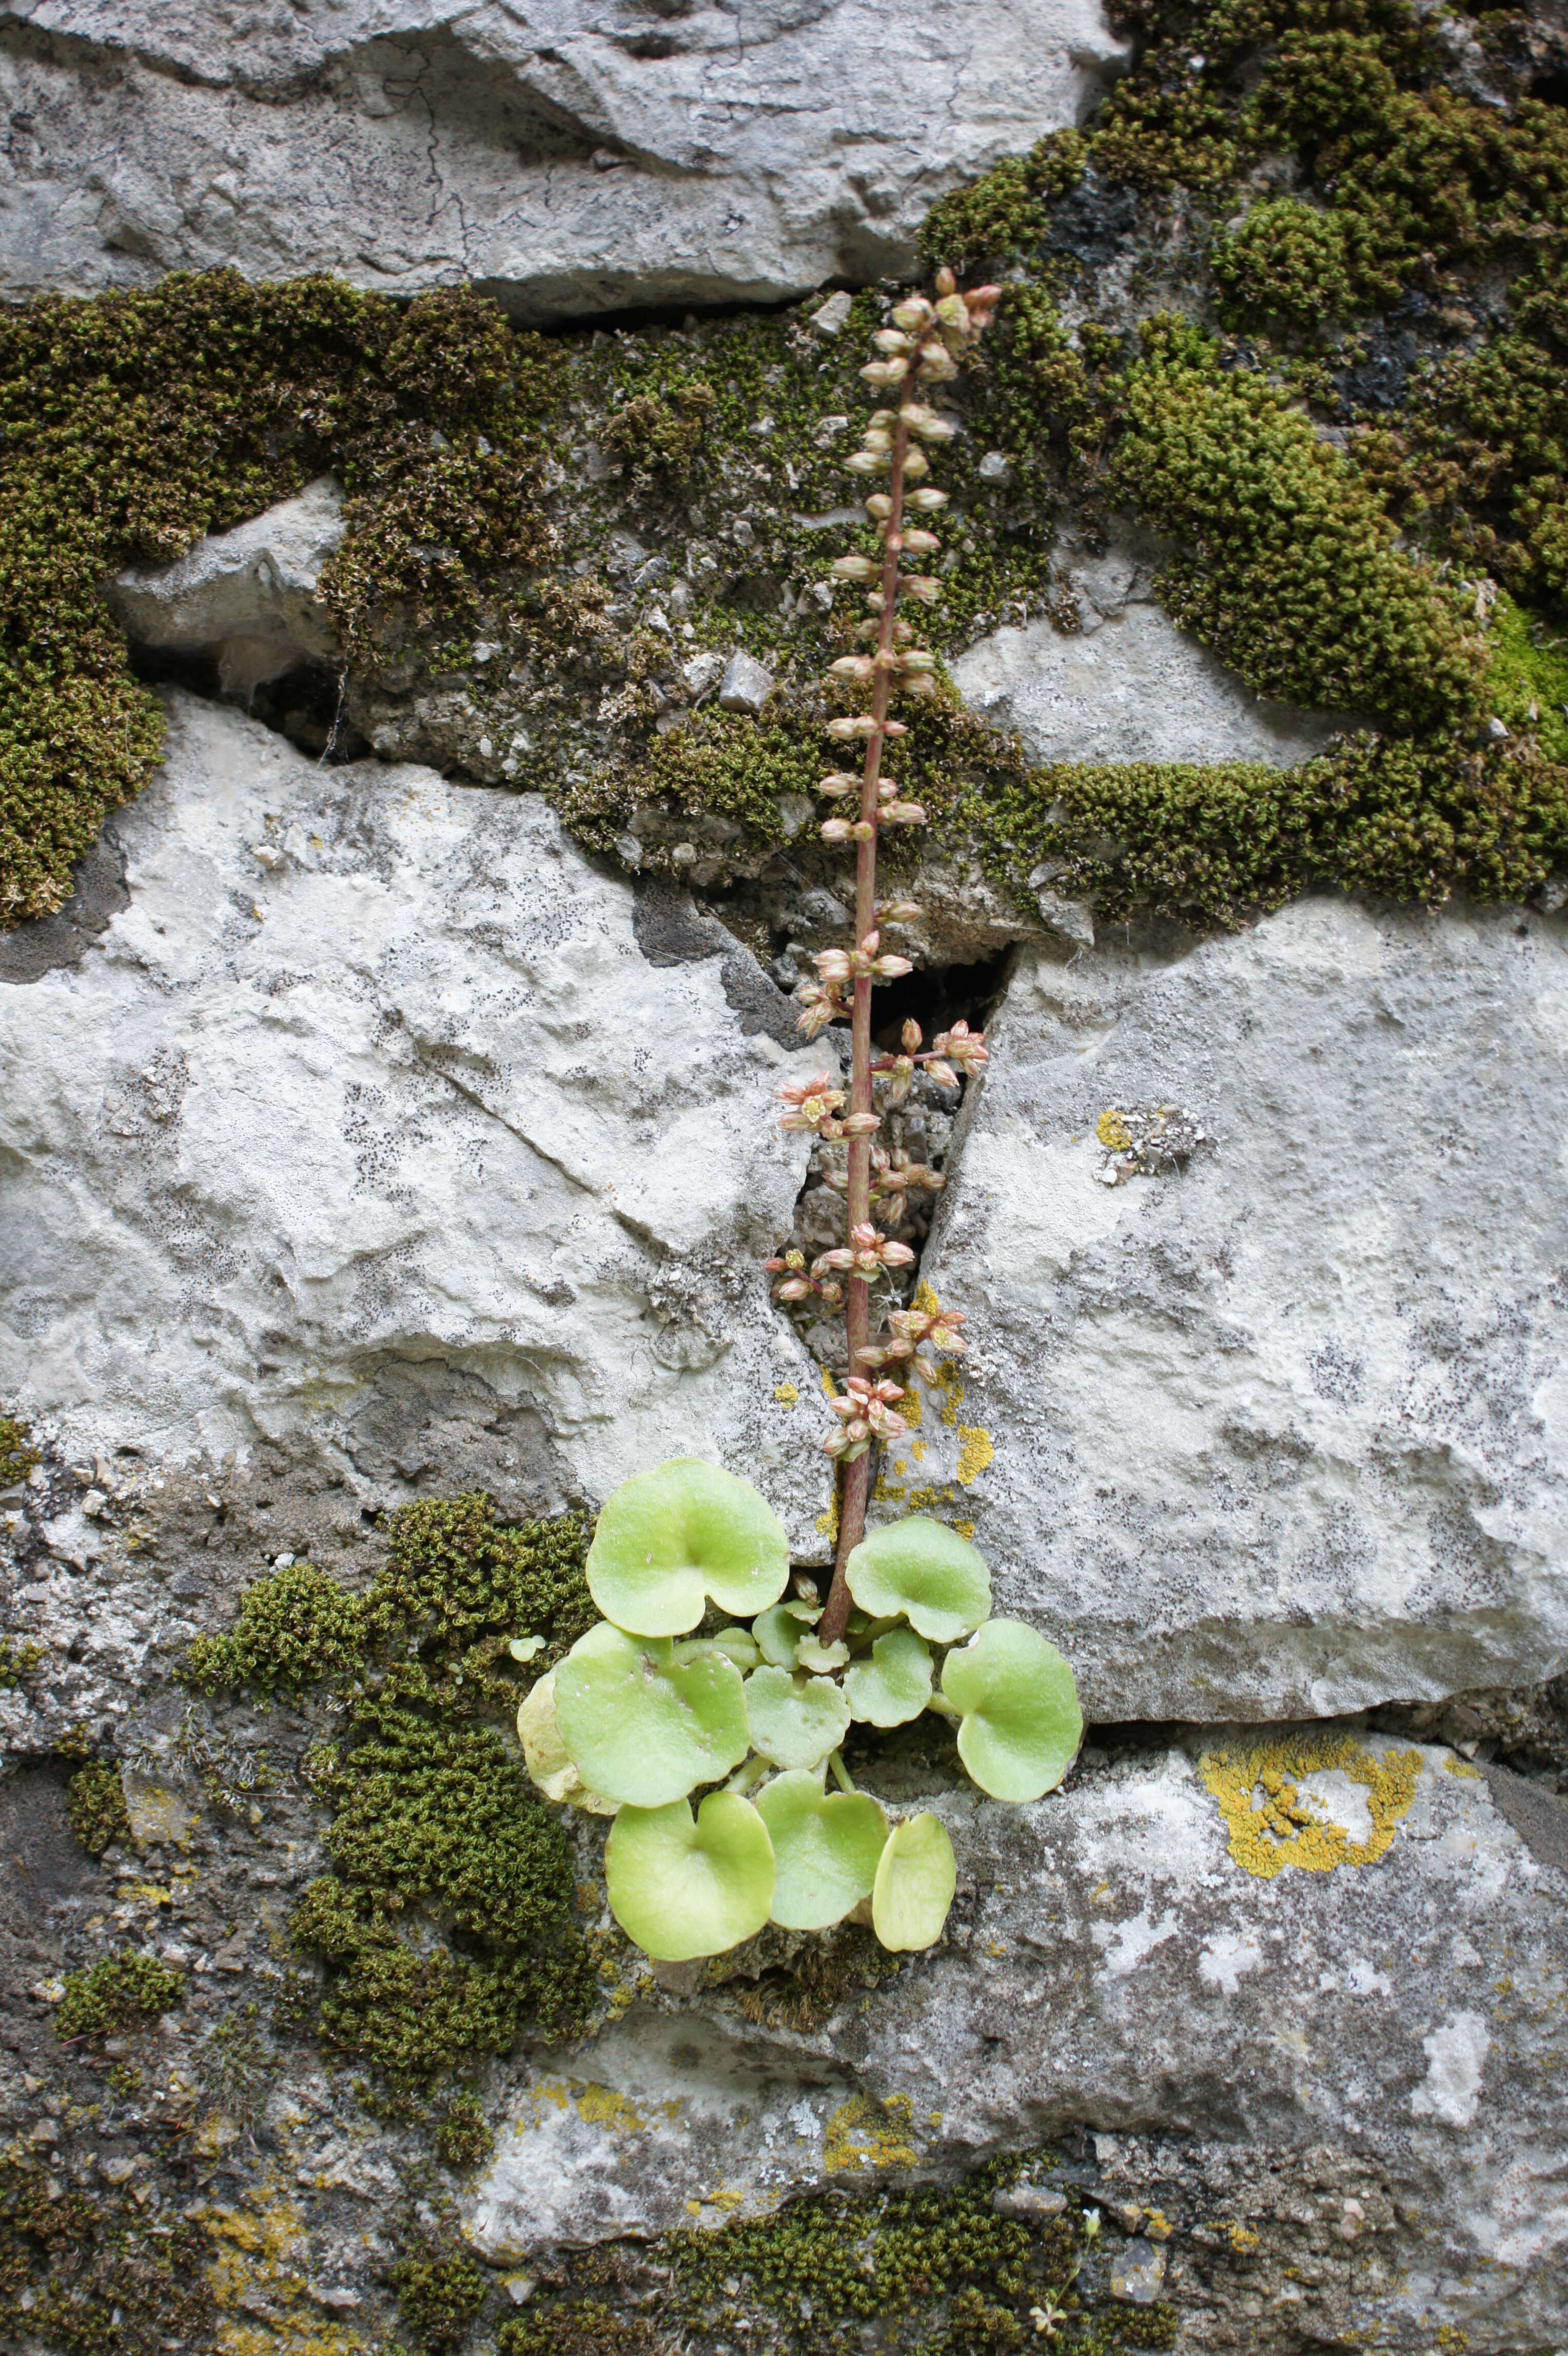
(1339, 2028)
(569, 158)
(746, 685)
(249, 597)
(369, 1125)
(1127, 685)
(1282, 1430)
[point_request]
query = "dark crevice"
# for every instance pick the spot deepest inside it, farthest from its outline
(305, 705)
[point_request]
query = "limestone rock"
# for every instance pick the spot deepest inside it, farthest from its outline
(1127, 685)
(248, 596)
(569, 158)
(369, 1126)
(1297, 2024)
(1271, 1424)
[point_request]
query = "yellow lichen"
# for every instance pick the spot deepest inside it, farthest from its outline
(865, 2134)
(601, 2107)
(965, 1530)
(786, 1394)
(1455, 1766)
(975, 1451)
(1272, 1824)
(1113, 1131)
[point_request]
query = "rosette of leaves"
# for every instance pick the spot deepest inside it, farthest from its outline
(705, 1714)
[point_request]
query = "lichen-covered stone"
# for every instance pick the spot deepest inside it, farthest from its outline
(1272, 1426)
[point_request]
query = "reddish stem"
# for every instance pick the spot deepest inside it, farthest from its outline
(858, 1306)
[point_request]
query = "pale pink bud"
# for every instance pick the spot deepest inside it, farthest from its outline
(943, 1073)
(867, 462)
(862, 831)
(855, 568)
(838, 1257)
(852, 667)
(891, 339)
(927, 1369)
(927, 498)
(838, 784)
(946, 282)
(870, 943)
(896, 1255)
(916, 660)
(853, 724)
(923, 687)
(894, 728)
(909, 1036)
(952, 311)
(922, 588)
(913, 314)
(832, 965)
(938, 366)
(794, 1288)
(905, 814)
(902, 912)
(836, 829)
(887, 372)
(916, 464)
(879, 506)
(923, 543)
(861, 1124)
(890, 968)
(876, 437)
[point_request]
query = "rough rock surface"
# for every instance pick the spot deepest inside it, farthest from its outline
(1127, 1955)
(1275, 1426)
(371, 1096)
(247, 597)
(1127, 684)
(569, 158)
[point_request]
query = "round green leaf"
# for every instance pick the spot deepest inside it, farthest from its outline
(645, 1730)
(895, 1685)
(825, 1846)
(1021, 1724)
(781, 1629)
(545, 1754)
(737, 1644)
(926, 1572)
(810, 1655)
(682, 1889)
(915, 1882)
(670, 1538)
(795, 1721)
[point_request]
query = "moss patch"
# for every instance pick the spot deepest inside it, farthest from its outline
(122, 1991)
(95, 1804)
(17, 1457)
(91, 2275)
(448, 1920)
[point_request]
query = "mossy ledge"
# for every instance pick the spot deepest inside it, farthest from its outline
(544, 534)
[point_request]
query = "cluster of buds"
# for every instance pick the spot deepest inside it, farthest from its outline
(927, 341)
(893, 1177)
(797, 1283)
(866, 1412)
(865, 1255)
(912, 1328)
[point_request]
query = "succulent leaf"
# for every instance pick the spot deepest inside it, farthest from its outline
(810, 1655)
(737, 1644)
(645, 1730)
(796, 1721)
(545, 1754)
(683, 1886)
(825, 1847)
(926, 1572)
(672, 1537)
(895, 1685)
(779, 1630)
(916, 1879)
(1021, 1723)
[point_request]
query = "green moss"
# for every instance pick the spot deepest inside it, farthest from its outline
(446, 1923)
(17, 1662)
(298, 1627)
(91, 2275)
(438, 2298)
(17, 1458)
(1529, 681)
(1404, 820)
(576, 2327)
(95, 1804)
(461, 2133)
(1287, 260)
(122, 1991)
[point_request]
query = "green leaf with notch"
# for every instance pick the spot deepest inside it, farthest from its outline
(683, 1888)
(927, 1572)
(1021, 1725)
(672, 1537)
(825, 1847)
(796, 1721)
(916, 1879)
(895, 1685)
(780, 1628)
(643, 1727)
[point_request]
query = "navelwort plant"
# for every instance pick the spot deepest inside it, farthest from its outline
(643, 1712)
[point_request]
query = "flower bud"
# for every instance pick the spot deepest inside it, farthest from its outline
(835, 829)
(867, 462)
(922, 587)
(946, 282)
(877, 601)
(879, 506)
(905, 814)
(916, 464)
(886, 372)
(952, 311)
(913, 314)
(915, 660)
(910, 1037)
(927, 498)
(921, 685)
(921, 543)
(838, 781)
(852, 667)
(943, 1073)
(832, 964)
(893, 968)
(876, 437)
(938, 365)
(860, 724)
(855, 568)
(894, 728)
(861, 1124)
(891, 339)
(862, 830)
